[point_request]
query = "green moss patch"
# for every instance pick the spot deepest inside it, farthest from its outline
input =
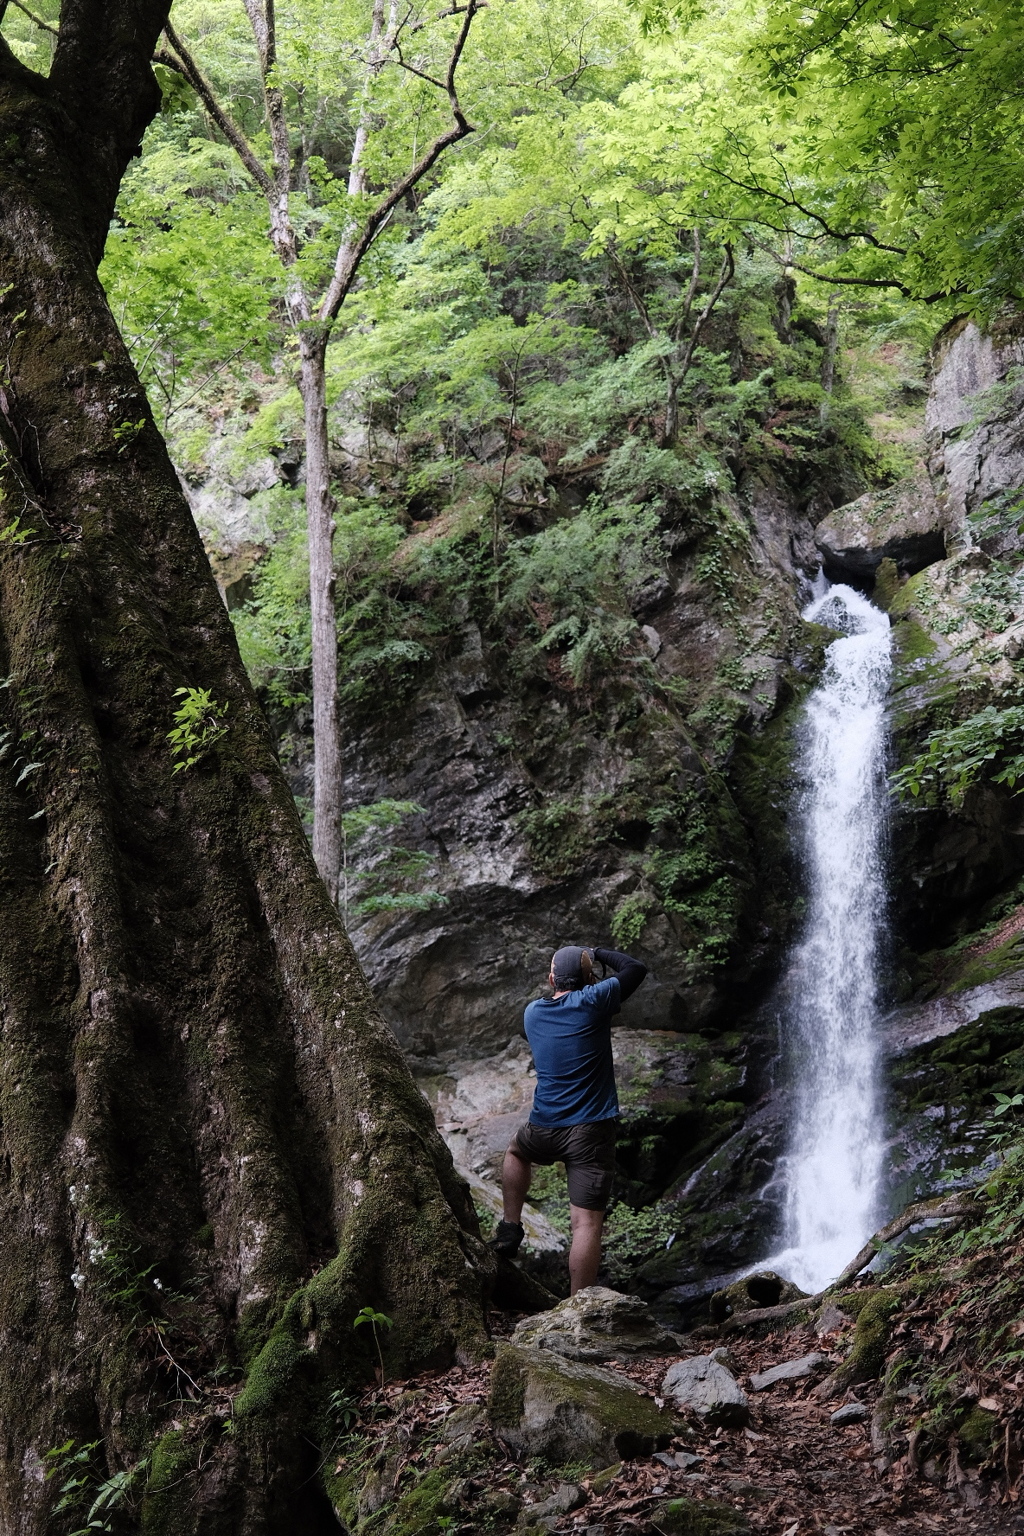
(699, 1517)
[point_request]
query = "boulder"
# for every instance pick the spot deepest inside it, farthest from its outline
(542, 1404)
(902, 523)
(789, 1370)
(707, 1387)
(699, 1517)
(763, 1289)
(597, 1324)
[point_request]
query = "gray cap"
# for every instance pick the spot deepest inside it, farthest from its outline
(567, 968)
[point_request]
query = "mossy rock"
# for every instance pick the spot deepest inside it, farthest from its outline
(543, 1405)
(978, 1433)
(169, 1489)
(763, 1289)
(699, 1517)
(870, 1340)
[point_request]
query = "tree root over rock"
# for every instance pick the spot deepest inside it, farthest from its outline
(945, 1208)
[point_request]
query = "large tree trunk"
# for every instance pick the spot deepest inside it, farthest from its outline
(193, 1074)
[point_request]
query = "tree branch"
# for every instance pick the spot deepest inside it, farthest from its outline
(264, 28)
(43, 25)
(859, 282)
(792, 202)
(234, 135)
(724, 277)
(691, 292)
(351, 253)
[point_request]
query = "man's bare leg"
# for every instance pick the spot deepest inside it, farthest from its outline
(516, 1174)
(585, 1252)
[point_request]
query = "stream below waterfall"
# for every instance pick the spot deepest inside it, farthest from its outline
(829, 997)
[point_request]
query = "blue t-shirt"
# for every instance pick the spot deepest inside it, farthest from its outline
(571, 1040)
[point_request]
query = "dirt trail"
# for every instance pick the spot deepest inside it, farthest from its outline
(791, 1472)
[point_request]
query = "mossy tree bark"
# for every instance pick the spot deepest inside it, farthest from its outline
(195, 1086)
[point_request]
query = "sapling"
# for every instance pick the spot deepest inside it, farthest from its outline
(376, 1320)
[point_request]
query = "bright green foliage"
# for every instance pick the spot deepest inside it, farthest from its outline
(881, 138)
(572, 579)
(987, 745)
(630, 918)
(188, 269)
(198, 726)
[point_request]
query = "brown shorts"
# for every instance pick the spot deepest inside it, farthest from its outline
(588, 1152)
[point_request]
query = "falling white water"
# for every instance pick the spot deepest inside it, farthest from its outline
(832, 1168)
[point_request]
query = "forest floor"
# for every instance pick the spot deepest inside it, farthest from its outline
(791, 1472)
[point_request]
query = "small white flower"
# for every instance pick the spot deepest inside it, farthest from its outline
(77, 1279)
(158, 1284)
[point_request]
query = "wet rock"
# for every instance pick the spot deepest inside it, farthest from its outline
(789, 1370)
(726, 1217)
(903, 523)
(942, 1087)
(707, 1387)
(849, 1413)
(544, 1405)
(919, 1024)
(763, 1289)
(597, 1324)
(699, 1517)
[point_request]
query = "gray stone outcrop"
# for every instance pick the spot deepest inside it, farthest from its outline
(705, 1386)
(542, 1404)
(849, 1413)
(903, 523)
(975, 418)
(597, 1324)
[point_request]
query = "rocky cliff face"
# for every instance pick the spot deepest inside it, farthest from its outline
(544, 810)
(654, 803)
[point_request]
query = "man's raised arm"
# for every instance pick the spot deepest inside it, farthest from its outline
(629, 972)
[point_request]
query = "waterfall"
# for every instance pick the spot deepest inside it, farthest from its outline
(831, 1170)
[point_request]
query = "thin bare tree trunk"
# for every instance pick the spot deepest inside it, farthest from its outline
(328, 767)
(314, 322)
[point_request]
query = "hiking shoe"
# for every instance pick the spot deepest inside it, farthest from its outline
(507, 1237)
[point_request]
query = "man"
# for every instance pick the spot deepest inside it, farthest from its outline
(575, 1106)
